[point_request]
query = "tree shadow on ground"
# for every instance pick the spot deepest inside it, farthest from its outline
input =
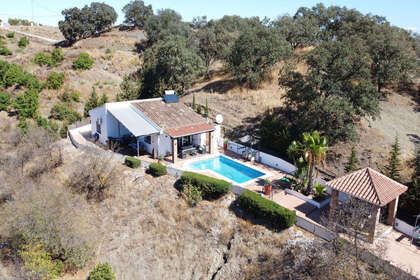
(249, 126)
(220, 86)
(413, 90)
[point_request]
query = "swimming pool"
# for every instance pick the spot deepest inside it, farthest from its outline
(228, 168)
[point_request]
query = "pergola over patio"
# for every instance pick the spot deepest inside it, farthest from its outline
(371, 186)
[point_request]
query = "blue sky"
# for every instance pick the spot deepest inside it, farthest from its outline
(403, 13)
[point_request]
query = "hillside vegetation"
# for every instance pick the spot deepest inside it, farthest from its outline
(351, 77)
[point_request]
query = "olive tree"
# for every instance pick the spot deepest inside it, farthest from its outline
(212, 42)
(326, 98)
(166, 23)
(298, 31)
(137, 13)
(86, 22)
(255, 52)
(172, 63)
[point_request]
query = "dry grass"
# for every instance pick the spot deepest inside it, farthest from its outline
(106, 73)
(242, 109)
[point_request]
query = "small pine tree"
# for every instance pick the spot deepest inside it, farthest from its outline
(206, 109)
(416, 165)
(92, 102)
(352, 162)
(410, 200)
(393, 168)
(193, 102)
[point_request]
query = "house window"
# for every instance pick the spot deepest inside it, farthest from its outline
(148, 139)
(98, 126)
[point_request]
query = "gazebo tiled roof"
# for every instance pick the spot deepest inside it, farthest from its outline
(369, 185)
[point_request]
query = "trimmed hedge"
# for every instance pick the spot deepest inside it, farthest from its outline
(211, 188)
(132, 162)
(157, 169)
(278, 216)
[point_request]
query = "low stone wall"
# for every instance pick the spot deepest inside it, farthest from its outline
(314, 228)
(79, 141)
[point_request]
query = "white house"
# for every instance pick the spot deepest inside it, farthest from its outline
(159, 126)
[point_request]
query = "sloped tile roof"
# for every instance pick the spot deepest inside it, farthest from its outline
(176, 119)
(189, 129)
(369, 185)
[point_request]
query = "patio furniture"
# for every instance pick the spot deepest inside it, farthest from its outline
(202, 149)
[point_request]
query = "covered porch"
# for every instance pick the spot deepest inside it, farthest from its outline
(192, 144)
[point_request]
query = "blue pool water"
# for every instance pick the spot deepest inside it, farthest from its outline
(224, 166)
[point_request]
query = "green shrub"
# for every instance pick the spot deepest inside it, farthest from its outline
(13, 75)
(192, 194)
(70, 95)
(320, 192)
(5, 51)
(31, 82)
(63, 130)
(47, 124)
(62, 111)
(37, 262)
(102, 272)
(55, 80)
(57, 56)
(43, 59)
(52, 60)
(23, 42)
(278, 217)
(4, 101)
(10, 35)
(83, 62)
(26, 104)
(132, 162)
(157, 169)
(211, 188)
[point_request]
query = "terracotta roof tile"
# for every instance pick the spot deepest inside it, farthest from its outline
(369, 185)
(169, 115)
(176, 119)
(189, 129)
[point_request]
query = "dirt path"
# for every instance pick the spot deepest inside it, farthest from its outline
(49, 40)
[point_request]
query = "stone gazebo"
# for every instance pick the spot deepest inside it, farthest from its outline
(372, 187)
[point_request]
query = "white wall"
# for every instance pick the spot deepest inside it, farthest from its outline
(405, 228)
(165, 145)
(95, 114)
(200, 139)
(265, 158)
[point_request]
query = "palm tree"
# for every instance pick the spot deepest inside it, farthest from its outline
(313, 149)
